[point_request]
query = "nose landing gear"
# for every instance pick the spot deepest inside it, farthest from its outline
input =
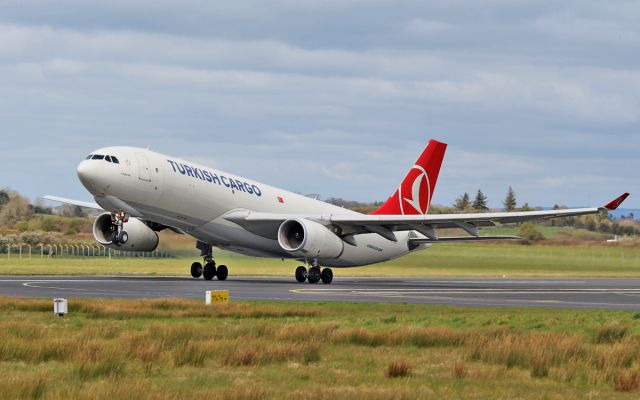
(118, 235)
(210, 270)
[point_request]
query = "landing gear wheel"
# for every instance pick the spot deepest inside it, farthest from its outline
(222, 272)
(314, 275)
(209, 271)
(123, 237)
(301, 274)
(327, 276)
(196, 270)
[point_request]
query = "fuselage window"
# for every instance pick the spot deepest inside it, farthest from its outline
(108, 158)
(98, 157)
(114, 160)
(89, 157)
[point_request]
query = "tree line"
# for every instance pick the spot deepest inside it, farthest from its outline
(480, 202)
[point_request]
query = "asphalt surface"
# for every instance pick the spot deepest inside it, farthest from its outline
(622, 294)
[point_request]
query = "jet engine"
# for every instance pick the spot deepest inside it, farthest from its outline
(308, 239)
(141, 237)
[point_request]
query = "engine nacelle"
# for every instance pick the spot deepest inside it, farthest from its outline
(141, 237)
(308, 239)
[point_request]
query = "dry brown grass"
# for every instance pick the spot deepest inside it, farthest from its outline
(626, 380)
(102, 350)
(178, 308)
(398, 369)
(459, 370)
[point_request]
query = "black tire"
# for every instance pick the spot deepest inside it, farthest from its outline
(209, 271)
(114, 237)
(123, 237)
(314, 275)
(327, 276)
(196, 270)
(301, 274)
(222, 272)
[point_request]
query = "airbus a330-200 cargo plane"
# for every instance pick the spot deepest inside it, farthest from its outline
(143, 192)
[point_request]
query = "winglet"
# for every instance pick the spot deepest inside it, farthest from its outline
(612, 205)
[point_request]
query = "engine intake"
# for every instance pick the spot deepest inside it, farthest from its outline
(309, 239)
(141, 237)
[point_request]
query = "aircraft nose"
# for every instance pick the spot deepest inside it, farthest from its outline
(84, 170)
(88, 174)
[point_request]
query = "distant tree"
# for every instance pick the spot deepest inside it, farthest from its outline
(604, 227)
(591, 224)
(480, 202)
(463, 202)
(48, 224)
(510, 201)
(68, 210)
(4, 198)
(15, 210)
(22, 226)
(76, 225)
(526, 207)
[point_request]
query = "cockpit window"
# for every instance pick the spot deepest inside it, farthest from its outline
(89, 157)
(114, 160)
(98, 157)
(108, 158)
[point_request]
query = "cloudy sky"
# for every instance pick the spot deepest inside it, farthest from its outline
(330, 97)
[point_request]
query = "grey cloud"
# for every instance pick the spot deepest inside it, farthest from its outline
(304, 93)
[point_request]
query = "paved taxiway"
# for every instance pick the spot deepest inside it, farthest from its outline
(582, 293)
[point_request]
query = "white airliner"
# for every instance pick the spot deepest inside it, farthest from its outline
(143, 192)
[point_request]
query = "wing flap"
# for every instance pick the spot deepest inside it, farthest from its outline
(462, 239)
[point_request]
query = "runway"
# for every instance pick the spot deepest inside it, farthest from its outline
(620, 294)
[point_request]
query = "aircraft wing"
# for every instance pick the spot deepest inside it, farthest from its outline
(78, 203)
(267, 224)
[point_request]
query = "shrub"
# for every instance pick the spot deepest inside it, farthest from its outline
(528, 231)
(22, 226)
(49, 224)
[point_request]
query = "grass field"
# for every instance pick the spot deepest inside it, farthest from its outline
(473, 259)
(166, 349)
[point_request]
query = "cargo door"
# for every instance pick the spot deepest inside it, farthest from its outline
(144, 169)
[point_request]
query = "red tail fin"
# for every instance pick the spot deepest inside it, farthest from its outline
(416, 190)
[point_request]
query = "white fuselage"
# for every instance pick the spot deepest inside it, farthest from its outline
(194, 198)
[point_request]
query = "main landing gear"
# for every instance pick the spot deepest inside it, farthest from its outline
(209, 270)
(314, 275)
(118, 235)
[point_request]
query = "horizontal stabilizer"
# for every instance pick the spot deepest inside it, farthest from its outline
(463, 239)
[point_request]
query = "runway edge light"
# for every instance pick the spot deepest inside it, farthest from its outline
(216, 296)
(60, 307)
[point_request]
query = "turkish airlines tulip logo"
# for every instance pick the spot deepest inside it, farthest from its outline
(415, 192)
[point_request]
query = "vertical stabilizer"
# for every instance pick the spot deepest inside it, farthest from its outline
(416, 190)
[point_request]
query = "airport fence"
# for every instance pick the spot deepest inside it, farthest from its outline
(27, 251)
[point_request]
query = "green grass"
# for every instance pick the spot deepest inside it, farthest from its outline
(164, 349)
(474, 259)
(549, 232)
